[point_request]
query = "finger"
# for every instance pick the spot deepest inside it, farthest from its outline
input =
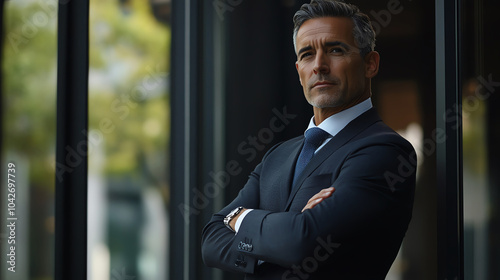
(324, 193)
(319, 197)
(312, 204)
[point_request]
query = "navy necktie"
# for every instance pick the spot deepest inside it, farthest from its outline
(314, 137)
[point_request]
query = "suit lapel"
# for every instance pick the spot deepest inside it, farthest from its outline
(286, 178)
(347, 133)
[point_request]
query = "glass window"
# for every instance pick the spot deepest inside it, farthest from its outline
(481, 158)
(28, 98)
(128, 139)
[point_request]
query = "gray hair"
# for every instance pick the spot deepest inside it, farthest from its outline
(363, 31)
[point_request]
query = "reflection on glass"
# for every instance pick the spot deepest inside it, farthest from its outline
(129, 135)
(478, 198)
(28, 98)
(475, 184)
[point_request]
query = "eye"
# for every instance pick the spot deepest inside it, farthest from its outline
(305, 55)
(336, 50)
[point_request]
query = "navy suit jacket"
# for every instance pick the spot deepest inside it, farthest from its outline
(354, 234)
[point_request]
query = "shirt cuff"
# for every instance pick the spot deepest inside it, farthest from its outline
(240, 219)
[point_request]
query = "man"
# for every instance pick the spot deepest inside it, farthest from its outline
(336, 203)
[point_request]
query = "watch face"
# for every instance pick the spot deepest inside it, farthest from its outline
(230, 216)
(234, 211)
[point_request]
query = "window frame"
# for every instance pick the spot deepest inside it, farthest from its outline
(72, 120)
(449, 152)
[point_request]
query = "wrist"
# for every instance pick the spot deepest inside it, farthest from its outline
(230, 219)
(233, 221)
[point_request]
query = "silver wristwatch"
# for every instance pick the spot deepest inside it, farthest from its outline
(230, 216)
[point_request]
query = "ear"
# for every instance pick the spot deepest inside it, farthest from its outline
(297, 67)
(372, 60)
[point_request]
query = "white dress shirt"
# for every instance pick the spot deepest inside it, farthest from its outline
(335, 123)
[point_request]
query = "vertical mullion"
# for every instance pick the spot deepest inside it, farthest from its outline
(449, 152)
(71, 145)
(187, 135)
(185, 141)
(178, 160)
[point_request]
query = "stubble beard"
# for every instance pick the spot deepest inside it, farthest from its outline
(325, 98)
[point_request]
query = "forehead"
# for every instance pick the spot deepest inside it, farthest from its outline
(326, 28)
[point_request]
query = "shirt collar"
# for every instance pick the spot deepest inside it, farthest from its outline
(335, 123)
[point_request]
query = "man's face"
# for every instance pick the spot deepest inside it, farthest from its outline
(331, 70)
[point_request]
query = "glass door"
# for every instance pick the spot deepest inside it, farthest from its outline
(480, 100)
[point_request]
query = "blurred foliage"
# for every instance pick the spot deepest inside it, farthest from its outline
(128, 83)
(474, 130)
(29, 88)
(128, 102)
(129, 62)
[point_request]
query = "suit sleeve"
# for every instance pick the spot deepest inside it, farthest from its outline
(374, 194)
(218, 240)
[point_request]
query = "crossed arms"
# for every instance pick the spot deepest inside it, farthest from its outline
(361, 202)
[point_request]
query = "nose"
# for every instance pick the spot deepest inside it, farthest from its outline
(321, 63)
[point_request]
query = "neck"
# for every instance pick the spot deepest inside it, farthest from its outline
(321, 114)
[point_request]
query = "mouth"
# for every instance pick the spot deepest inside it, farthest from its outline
(322, 84)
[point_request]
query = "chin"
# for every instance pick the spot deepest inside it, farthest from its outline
(328, 102)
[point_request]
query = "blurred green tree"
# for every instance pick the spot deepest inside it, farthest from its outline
(128, 102)
(127, 91)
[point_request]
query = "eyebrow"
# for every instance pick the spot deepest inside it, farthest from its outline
(328, 44)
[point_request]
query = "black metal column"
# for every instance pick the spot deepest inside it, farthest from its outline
(449, 147)
(491, 21)
(72, 146)
(185, 142)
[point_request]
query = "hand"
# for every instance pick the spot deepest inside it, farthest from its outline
(232, 223)
(317, 198)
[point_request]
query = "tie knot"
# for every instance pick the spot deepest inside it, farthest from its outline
(315, 136)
